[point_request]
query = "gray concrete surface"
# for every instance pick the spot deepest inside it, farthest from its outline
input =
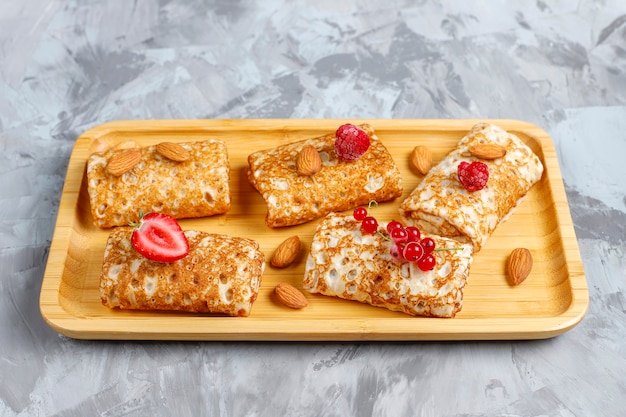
(66, 66)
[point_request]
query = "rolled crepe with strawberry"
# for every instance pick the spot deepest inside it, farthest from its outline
(355, 168)
(349, 260)
(469, 193)
(157, 266)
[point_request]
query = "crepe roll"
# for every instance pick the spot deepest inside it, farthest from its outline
(347, 263)
(221, 274)
(441, 205)
(193, 186)
(293, 199)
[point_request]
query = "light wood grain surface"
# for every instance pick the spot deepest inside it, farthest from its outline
(552, 300)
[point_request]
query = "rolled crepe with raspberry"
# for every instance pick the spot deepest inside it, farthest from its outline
(339, 185)
(344, 262)
(221, 274)
(194, 187)
(441, 205)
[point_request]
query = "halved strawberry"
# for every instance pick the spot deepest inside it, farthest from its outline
(160, 238)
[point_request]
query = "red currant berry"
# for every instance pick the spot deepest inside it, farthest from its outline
(413, 251)
(360, 213)
(413, 234)
(396, 252)
(428, 244)
(369, 225)
(427, 263)
(394, 224)
(399, 235)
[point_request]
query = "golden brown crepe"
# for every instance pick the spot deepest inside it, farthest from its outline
(197, 187)
(221, 274)
(294, 199)
(440, 205)
(346, 263)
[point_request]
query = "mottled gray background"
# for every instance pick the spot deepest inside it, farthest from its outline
(66, 66)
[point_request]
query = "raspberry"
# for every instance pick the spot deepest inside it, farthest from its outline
(473, 176)
(351, 142)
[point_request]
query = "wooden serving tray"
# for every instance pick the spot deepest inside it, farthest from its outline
(552, 300)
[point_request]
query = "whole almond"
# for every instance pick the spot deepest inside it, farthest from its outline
(173, 151)
(290, 296)
(308, 161)
(422, 159)
(487, 150)
(519, 265)
(123, 161)
(286, 252)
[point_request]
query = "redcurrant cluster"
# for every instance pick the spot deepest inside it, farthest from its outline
(407, 242)
(409, 245)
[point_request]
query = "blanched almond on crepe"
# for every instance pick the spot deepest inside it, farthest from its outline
(339, 185)
(195, 187)
(440, 205)
(221, 274)
(346, 263)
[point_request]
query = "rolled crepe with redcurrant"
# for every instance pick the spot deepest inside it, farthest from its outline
(220, 274)
(339, 185)
(346, 262)
(441, 205)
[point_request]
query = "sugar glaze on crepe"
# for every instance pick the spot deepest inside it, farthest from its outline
(346, 263)
(440, 205)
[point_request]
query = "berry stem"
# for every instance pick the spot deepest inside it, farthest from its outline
(136, 224)
(372, 203)
(441, 249)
